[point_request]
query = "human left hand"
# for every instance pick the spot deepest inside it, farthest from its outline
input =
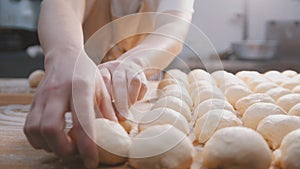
(126, 82)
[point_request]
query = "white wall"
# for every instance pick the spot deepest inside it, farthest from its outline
(219, 20)
(262, 11)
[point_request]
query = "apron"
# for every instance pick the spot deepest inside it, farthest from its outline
(105, 11)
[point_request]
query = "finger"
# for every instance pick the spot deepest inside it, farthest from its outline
(104, 101)
(53, 125)
(144, 86)
(120, 93)
(32, 125)
(83, 116)
(134, 86)
(106, 76)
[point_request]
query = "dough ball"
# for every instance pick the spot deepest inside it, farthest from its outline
(200, 84)
(242, 104)
(246, 76)
(288, 101)
(212, 121)
(163, 115)
(275, 76)
(211, 104)
(263, 87)
(234, 93)
(290, 84)
(174, 103)
(295, 110)
(166, 82)
(296, 89)
(181, 95)
(112, 140)
(161, 146)
(236, 148)
(274, 127)
(258, 111)
(231, 82)
(35, 78)
(289, 73)
(178, 75)
(289, 151)
(277, 92)
(297, 77)
(207, 93)
(176, 87)
(199, 75)
(253, 83)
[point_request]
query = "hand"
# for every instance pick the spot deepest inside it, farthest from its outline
(126, 82)
(66, 89)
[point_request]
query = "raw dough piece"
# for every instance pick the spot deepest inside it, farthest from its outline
(181, 95)
(275, 76)
(199, 75)
(289, 73)
(291, 84)
(163, 115)
(207, 93)
(263, 87)
(236, 148)
(174, 103)
(211, 104)
(176, 87)
(295, 110)
(161, 146)
(35, 78)
(287, 156)
(178, 75)
(242, 104)
(296, 89)
(258, 111)
(200, 84)
(274, 127)
(166, 82)
(234, 93)
(246, 76)
(253, 83)
(277, 92)
(288, 101)
(112, 140)
(212, 121)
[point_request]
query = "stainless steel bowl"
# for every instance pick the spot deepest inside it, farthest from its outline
(255, 49)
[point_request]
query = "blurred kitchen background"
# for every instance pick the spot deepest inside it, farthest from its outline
(247, 35)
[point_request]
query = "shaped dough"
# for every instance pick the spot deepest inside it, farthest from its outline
(274, 127)
(161, 146)
(212, 121)
(236, 148)
(112, 140)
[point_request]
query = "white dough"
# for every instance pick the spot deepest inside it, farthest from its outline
(288, 101)
(161, 116)
(287, 156)
(274, 127)
(277, 92)
(212, 121)
(211, 104)
(161, 146)
(112, 140)
(258, 111)
(242, 104)
(236, 148)
(295, 110)
(234, 93)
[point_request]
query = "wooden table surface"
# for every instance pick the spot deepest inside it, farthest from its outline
(15, 151)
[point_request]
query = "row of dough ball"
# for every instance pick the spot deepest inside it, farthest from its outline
(155, 147)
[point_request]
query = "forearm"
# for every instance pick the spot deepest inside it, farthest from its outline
(60, 29)
(160, 47)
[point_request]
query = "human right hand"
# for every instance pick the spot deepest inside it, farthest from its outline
(74, 86)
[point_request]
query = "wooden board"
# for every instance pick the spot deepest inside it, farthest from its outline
(15, 91)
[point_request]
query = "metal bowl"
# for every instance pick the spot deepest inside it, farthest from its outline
(255, 50)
